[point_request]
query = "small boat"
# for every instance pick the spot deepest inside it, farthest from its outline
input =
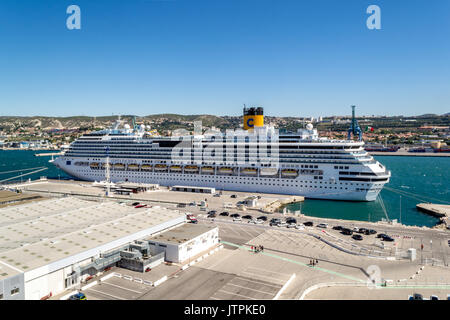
(119, 166)
(146, 167)
(208, 170)
(160, 167)
(94, 165)
(249, 171)
(225, 170)
(133, 166)
(289, 172)
(175, 168)
(268, 171)
(190, 169)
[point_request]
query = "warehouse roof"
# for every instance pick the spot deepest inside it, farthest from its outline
(35, 235)
(182, 234)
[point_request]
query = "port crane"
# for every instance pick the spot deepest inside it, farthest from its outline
(354, 127)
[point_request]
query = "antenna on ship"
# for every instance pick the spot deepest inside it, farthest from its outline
(354, 127)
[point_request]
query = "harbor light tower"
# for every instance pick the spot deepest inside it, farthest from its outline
(354, 127)
(107, 173)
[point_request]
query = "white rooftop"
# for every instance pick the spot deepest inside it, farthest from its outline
(36, 234)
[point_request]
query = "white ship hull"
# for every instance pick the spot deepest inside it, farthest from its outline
(329, 188)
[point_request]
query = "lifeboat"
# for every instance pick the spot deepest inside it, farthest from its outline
(119, 166)
(94, 165)
(160, 167)
(146, 167)
(268, 171)
(190, 169)
(175, 168)
(249, 171)
(289, 173)
(207, 169)
(133, 166)
(225, 170)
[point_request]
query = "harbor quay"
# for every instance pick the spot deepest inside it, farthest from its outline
(251, 260)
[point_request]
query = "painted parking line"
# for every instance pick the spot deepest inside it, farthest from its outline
(258, 282)
(247, 288)
(261, 276)
(235, 294)
(106, 294)
(115, 285)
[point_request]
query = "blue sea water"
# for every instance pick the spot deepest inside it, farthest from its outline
(414, 180)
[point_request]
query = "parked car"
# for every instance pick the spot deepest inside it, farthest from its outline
(193, 204)
(382, 235)
(337, 228)
(233, 196)
(281, 224)
(181, 205)
(417, 296)
(274, 222)
(263, 218)
(256, 221)
(247, 217)
(346, 231)
(291, 225)
(371, 231)
(322, 225)
(308, 223)
(224, 214)
(135, 204)
(237, 219)
(389, 239)
(234, 215)
(434, 297)
(212, 212)
(299, 227)
(211, 215)
(78, 296)
(357, 237)
(291, 220)
(362, 230)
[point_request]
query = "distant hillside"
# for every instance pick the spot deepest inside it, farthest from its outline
(169, 121)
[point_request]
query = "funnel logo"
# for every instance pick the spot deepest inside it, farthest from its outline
(250, 123)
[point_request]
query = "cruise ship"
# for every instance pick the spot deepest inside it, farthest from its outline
(255, 158)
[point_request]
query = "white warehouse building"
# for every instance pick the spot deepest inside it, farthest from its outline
(49, 246)
(184, 242)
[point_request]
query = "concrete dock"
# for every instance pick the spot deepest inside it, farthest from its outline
(266, 203)
(441, 211)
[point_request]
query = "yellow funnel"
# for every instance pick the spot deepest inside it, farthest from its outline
(253, 117)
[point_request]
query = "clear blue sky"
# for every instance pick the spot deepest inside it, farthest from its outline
(294, 58)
